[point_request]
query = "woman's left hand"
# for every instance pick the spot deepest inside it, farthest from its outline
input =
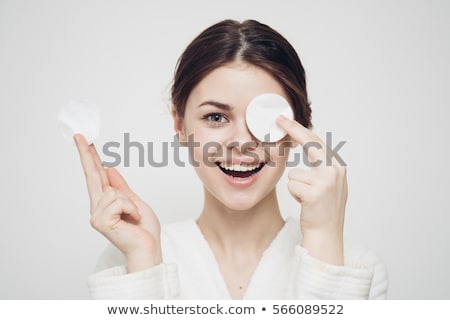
(322, 192)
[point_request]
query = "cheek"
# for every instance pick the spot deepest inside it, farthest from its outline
(203, 134)
(205, 145)
(279, 155)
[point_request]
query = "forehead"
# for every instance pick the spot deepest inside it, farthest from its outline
(235, 84)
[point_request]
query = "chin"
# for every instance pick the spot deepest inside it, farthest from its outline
(242, 194)
(237, 203)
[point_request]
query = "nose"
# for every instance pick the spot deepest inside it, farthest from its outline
(240, 140)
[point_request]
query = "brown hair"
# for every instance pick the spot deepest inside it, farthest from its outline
(249, 41)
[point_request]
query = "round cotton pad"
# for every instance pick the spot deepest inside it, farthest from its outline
(262, 113)
(79, 116)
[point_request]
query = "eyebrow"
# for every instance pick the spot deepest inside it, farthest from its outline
(216, 104)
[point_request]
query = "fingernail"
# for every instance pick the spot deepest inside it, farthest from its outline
(283, 117)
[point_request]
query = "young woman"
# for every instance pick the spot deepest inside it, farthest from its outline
(239, 247)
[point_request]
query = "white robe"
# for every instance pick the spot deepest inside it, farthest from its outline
(285, 271)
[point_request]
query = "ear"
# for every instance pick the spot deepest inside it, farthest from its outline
(178, 125)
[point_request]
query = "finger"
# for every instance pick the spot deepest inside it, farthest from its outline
(311, 143)
(301, 175)
(115, 205)
(298, 132)
(91, 172)
(299, 190)
(108, 197)
(117, 213)
(125, 208)
(99, 165)
(117, 181)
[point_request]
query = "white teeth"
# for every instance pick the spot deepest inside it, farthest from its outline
(239, 167)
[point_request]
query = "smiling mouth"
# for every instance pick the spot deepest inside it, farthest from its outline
(240, 170)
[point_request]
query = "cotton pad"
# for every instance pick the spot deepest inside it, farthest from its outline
(79, 116)
(261, 115)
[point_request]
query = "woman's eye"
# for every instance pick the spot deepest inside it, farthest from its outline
(216, 118)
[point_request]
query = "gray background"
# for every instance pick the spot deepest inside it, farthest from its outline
(378, 73)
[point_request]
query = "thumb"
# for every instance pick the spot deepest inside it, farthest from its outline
(118, 182)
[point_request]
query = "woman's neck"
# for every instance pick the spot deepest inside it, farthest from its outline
(238, 238)
(235, 231)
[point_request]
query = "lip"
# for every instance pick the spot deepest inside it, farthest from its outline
(241, 182)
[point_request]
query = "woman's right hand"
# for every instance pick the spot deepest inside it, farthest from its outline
(118, 213)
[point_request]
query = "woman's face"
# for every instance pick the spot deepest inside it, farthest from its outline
(235, 168)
